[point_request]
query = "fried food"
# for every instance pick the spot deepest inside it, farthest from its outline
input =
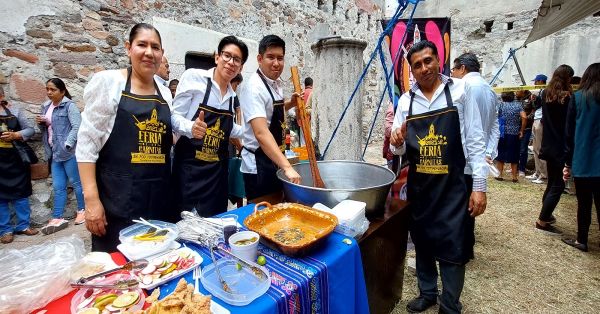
(182, 300)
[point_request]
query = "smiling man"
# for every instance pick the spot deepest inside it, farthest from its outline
(437, 124)
(263, 108)
(202, 115)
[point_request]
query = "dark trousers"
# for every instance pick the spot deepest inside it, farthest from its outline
(453, 279)
(588, 190)
(554, 189)
(251, 186)
(524, 151)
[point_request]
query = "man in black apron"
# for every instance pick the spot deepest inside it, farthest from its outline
(205, 100)
(438, 125)
(263, 106)
(133, 169)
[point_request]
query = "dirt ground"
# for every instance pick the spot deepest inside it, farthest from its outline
(518, 269)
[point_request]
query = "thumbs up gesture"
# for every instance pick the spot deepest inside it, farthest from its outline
(199, 127)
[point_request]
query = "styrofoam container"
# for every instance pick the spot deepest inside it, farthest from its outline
(148, 247)
(248, 251)
(349, 212)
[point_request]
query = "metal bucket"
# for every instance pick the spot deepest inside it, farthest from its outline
(344, 179)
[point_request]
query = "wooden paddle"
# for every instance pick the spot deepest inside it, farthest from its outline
(305, 126)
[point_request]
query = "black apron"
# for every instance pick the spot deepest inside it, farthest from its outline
(133, 167)
(266, 170)
(437, 191)
(201, 167)
(15, 176)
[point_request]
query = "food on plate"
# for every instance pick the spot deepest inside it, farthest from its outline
(152, 235)
(246, 241)
(166, 266)
(126, 300)
(182, 300)
(89, 311)
(261, 260)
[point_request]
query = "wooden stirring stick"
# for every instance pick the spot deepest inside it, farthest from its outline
(305, 126)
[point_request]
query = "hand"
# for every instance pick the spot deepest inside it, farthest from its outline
(95, 220)
(10, 136)
(566, 174)
(520, 134)
(39, 119)
(291, 174)
(398, 135)
(199, 127)
(236, 142)
(295, 96)
(477, 203)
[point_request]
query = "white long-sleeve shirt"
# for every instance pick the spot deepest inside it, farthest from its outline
(470, 124)
(487, 102)
(101, 97)
(190, 93)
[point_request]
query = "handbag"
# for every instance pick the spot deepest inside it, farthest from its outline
(25, 152)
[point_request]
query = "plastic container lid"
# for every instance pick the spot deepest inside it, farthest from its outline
(349, 211)
(243, 282)
(126, 236)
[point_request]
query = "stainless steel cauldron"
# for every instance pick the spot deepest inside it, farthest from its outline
(344, 179)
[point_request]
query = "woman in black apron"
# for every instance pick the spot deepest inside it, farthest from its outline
(15, 176)
(266, 169)
(132, 172)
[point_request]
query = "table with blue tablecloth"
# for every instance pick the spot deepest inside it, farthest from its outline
(328, 280)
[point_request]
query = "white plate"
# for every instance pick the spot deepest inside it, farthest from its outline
(133, 254)
(176, 273)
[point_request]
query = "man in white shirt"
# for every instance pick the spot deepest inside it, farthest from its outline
(438, 125)
(263, 108)
(203, 115)
(162, 75)
(466, 67)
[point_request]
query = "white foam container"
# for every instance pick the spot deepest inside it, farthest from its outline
(247, 252)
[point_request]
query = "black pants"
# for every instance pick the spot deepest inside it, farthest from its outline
(588, 190)
(554, 189)
(453, 280)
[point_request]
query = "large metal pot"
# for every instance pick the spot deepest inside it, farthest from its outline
(344, 179)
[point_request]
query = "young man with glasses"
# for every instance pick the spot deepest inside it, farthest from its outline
(203, 114)
(263, 108)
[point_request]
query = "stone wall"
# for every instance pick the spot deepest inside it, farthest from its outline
(510, 23)
(73, 39)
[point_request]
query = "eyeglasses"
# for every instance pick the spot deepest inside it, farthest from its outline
(228, 57)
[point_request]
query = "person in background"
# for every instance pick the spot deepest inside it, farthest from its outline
(162, 75)
(582, 152)
(527, 120)
(203, 117)
(15, 176)
(59, 121)
(124, 143)
(438, 124)
(173, 86)
(508, 146)
(263, 107)
(236, 180)
(570, 187)
(467, 67)
(555, 99)
(540, 175)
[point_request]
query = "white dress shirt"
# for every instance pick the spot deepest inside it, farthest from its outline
(256, 103)
(487, 100)
(160, 80)
(190, 93)
(101, 97)
(470, 124)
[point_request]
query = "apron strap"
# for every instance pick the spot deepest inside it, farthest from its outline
(266, 85)
(448, 95)
(412, 98)
(248, 149)
(206, 97)
(8, 113)
(128, 84)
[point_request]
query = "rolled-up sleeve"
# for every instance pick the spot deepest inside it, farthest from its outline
(474, 142)
(399, 117)
(184, 98)
(101, 103)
